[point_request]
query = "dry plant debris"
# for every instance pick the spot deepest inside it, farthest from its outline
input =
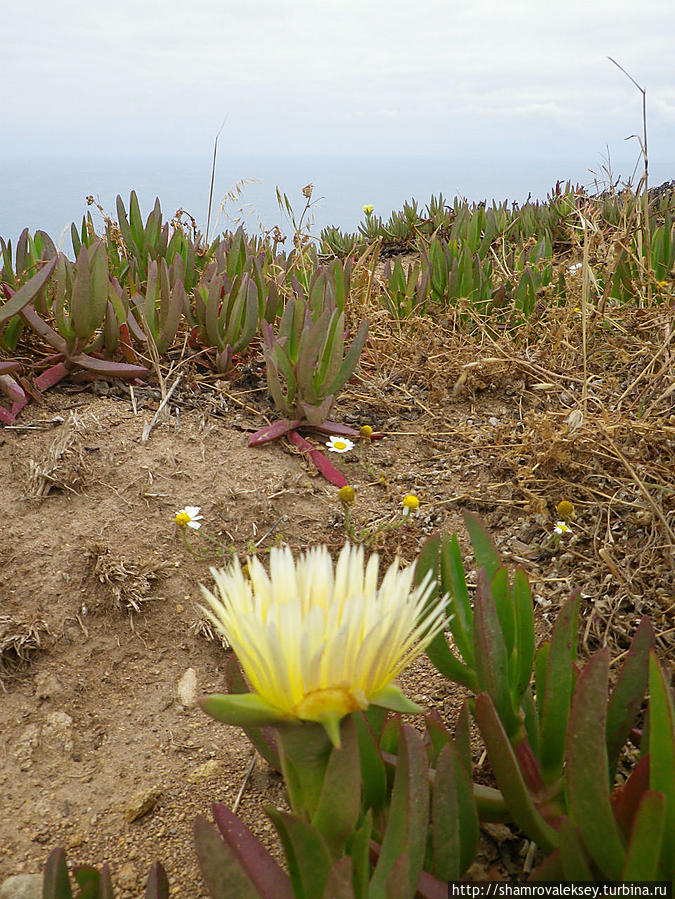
(19, 641)
(128, 583)
(62, 467)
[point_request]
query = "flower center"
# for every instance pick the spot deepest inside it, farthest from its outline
(318, 704)
(183, 519)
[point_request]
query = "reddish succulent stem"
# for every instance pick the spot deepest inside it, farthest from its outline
(327, 470)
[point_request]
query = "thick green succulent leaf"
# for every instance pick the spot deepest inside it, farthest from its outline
(448, 664)
(587, 769)
(574, 860)
(557, 698)
(331, 352)
(438, 736)
(392, 697)
(407, 824)
(27, 292)
(454, 817)
(463, 736)
(453, 581)
(550, 869)
(647, 840)
(501, 593)
(531, 720)
(98, 282)
(438, 650)
(55, 881)
(241, 709)
(492, 671)
(339, 883)
(349, 362)
(135, 219)
(626, 800)
(628, 693)
(307, 854)
(524, 643)
(373, 774)
(484, 549)
(221, 868)
(359, 851)
(92, 883)
(81, 300)
(340, 799)
(540, 673)
(510, 778)
(662, 754)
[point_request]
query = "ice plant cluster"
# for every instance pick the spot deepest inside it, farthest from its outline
(318, 641)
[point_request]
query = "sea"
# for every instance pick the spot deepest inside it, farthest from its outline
(51, 192)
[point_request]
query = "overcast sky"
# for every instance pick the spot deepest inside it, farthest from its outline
(492, 78)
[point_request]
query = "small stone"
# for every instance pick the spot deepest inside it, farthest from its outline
(75, 841)
(127, 877)
(140, 804)
(47, 685)
(209, 769)
(58, 731)
(22, 886)
(187, 688)
(26, 745)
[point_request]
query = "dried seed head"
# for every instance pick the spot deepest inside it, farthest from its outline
(346, 495)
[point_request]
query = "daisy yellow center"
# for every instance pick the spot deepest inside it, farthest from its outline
(339, 444)
(183, 519)
(411, 502)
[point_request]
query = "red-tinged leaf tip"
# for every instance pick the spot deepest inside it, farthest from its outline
(158, 883)
(260, 866)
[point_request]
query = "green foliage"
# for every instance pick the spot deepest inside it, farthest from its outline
(305, 360)
(554, 752)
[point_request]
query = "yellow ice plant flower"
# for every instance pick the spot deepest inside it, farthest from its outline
(189, 517)
(317, 642)
(368, 209)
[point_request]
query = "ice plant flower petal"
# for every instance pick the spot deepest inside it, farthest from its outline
(339, 444)
(318, 641)
(189, 517)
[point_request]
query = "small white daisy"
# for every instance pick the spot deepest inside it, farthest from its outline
(562, 528)
(339, 445)
(189, 517)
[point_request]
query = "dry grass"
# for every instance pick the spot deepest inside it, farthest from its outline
(128, 583)
(19, 641)
(62, 467)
